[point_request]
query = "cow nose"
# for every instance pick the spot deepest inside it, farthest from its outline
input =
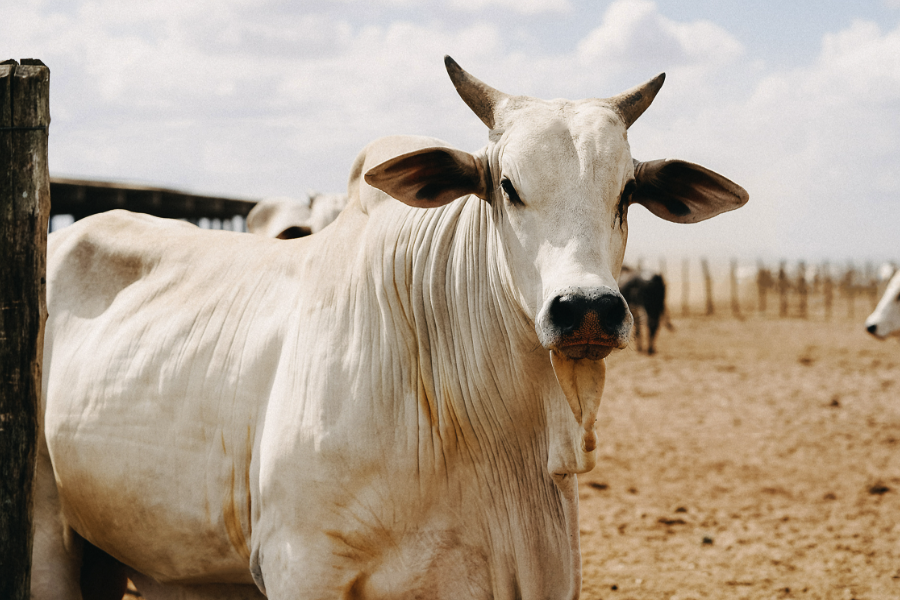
(569, 312)
(872, 329)
(584, 322)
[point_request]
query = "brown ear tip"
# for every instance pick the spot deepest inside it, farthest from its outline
(371, 176)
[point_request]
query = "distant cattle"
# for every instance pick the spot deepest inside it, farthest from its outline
(885, 319)
(645, 294)
(394, 407)
(288, 218)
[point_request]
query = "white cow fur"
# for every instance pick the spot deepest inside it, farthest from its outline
(885, 319)
(273, 216)
(367, 412)
(325, 209)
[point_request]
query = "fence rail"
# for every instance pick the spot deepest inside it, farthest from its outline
(81, 198)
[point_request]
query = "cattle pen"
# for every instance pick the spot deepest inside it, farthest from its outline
(753, 457)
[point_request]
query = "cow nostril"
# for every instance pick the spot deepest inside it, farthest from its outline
(564, 313)
(611, 309)
(872, 329)
(568, 312)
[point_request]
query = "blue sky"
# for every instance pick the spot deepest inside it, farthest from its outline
(799, 102)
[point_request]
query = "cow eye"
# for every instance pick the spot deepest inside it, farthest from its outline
(511, 192)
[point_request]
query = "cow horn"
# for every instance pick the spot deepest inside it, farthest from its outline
(481, 98)
(632, 103)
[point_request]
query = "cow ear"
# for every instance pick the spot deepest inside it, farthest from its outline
(683, 192)
(430, 177)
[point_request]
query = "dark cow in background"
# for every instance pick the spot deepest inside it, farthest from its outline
(645, 294)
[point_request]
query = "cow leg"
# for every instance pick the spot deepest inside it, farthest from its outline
(639, 317)
(102, 576)
(56, 554)
(151, 589)
(652, 328)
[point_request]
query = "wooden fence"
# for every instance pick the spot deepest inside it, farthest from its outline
(81, 198)
(796, 289)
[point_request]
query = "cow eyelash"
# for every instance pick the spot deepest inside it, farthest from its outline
(624, 201)
(511, 192)
(627, 191)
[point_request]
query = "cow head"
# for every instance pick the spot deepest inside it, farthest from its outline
(885, 319)
(560, 176)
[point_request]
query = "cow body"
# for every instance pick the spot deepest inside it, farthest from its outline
(646, 297)
(396, 406)
(287, 219)
(885, 319)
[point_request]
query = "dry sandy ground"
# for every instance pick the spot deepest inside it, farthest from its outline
(748, 459)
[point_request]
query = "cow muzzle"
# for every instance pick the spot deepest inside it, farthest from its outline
(584, 323)
(580, 327)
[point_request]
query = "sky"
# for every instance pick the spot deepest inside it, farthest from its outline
(799, 102)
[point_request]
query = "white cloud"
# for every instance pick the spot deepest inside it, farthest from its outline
(257, 98)
(816, 146)
(526, 7)
(634, 34)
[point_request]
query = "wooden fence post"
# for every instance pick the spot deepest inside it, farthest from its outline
(735, 291)
(848, 288)
(685, 287)
(802, 290)
(708, 285)
(783, 289)
(827, 289)
(24, 211)
(763, 283)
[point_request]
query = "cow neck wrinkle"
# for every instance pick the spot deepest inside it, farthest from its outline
(462, 260)
(484, 381)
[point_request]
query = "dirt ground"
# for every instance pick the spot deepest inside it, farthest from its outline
(747, 459)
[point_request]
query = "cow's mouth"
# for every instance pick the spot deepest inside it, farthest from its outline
(588, 350)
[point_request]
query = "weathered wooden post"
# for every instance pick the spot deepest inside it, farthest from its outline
(827, 290)
(802, 290)
(708, 285)
(24, 210)
(784, 287)
(685, 287)
(735, 290)
(872, 284)
(763, 283)
(848, 289)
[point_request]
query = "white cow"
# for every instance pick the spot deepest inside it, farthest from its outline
(325, 209)
(282, 218)
(885, 319)
(287, 218)
(396, 407)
